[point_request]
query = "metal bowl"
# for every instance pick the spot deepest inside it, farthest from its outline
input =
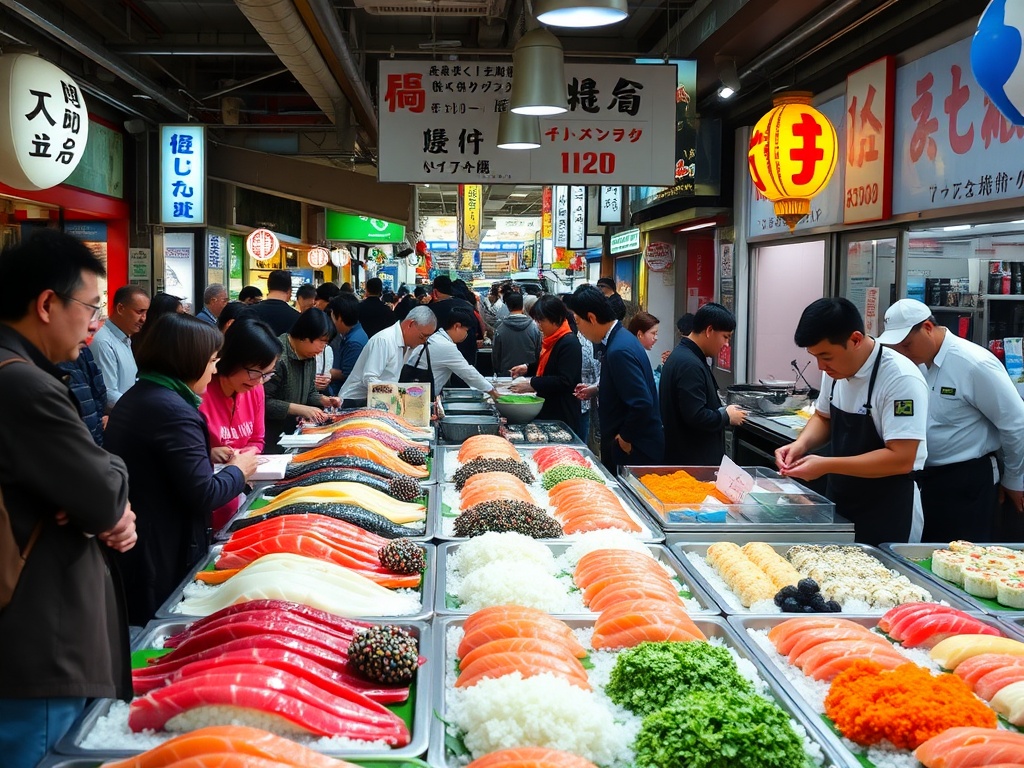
(455, 429)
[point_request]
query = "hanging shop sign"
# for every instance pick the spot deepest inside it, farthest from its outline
(577, 235)
(439, 123)
(870, 103)
(262, 245)
(361, 229)
(659, 256)
(318, 257)
(685, 155)
(609, 205)
(625, 242)
(560, 216)
(471, 209)
(952, 144)
(216, 245)
(183, 174)
(44, 123)
(545, 212)
(341, 257)
(792, 155)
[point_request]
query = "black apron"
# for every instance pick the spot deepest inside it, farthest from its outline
(881, 508)
(412, 373)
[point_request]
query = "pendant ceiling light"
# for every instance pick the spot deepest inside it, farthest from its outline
(581, 13)
(518, 131)
(538, 75)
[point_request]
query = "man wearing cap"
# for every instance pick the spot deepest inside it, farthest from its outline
(973, 410)
(607, 286)
(873, 410)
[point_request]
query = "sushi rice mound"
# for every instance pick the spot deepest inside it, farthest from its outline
(547, 711)
(507, 582)
(603, 539)
(511, 547)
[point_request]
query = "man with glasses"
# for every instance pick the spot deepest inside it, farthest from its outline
(63, 638)
(384, 355)
(974, 410)
(112, 344)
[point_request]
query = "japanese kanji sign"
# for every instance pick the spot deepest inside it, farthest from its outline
(439, 124)
(183, 174)
(560, 216)
(609, 205)
(577, 218)
(952, 145)
(870, 96)
(471, 210)
(44, 123)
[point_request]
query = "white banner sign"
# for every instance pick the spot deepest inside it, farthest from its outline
(183, 174)
(609, 205)
(560, 216)
(439, 124)
(870, 95)
(577, 218)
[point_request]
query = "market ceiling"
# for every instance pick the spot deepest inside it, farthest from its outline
(298, 77)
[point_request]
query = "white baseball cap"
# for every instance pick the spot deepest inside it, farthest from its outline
(900, 318)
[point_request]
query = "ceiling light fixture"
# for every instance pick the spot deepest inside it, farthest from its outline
(727, 76)
(692, 227)
(518, 131)
(581, 13)
(519, 194)
(538, 82)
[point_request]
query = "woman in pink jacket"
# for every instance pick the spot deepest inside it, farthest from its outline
(233, 403)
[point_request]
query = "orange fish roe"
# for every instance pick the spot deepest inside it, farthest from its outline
(905, 706)
(682, 488)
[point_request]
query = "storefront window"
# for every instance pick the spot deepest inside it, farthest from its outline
(868, 278)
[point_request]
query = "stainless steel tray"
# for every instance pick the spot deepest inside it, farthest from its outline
(658, 551)
(443, 522)
(765, 661)
(428, 584)
(1011, 625)
(575, 442)
(428, 491)
(911, 556)
(731, 605)
(98, 759)
(156, 632)
(449, 461)
(712, 626)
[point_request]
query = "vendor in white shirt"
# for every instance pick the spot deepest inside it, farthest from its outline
(442, 357)
(385, 354)
(973, 411)
(873, 410)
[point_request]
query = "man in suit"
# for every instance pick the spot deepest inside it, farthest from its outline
(631, 431)
(443, 302)
(693, 414)
(374, 314)
(275, 310)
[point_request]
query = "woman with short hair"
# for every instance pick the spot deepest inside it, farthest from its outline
(157, 429)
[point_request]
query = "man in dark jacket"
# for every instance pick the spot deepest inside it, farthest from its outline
(444, 300)
(374, 314)
(691, 410)
(275, 310)
(85, 380)
(607, 287)
(517, 339)
(631, 431)
(63, 636)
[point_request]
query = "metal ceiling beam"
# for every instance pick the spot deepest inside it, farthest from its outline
(191, 50)
(47, 19)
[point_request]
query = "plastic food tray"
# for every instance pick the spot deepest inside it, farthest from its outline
(913, 555)
(448, 460)
(428, 491)
(730, 604)
(575, 442)
(742, 623)
(442, 530)
(712, 626)
(157, 631)
(660, 553)
(427, 589)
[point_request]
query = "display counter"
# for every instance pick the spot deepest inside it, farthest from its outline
(755, 441)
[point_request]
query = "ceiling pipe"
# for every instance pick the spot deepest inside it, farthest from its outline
(43, 17)
(244, 83)
(191, 50)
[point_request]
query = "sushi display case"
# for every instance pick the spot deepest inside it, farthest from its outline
(778, 509)
(189, 588)
(256, 499)
(693, 557)
(698, 600)
(918, 557)
(715, 628)
(109, 718)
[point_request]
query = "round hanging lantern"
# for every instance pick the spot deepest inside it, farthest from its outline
(341, 257)
(995, 54)
(318, 257)
(262, 244)
(793, 153)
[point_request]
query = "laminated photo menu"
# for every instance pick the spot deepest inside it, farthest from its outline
(409, 400)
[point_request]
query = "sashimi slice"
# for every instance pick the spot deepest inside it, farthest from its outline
(898, 628)
(493, 613)
(226, 760)
(487, 446)
(812, 637)
(517, 645)
(350, 493)
(784, 635)
(638, 606)
(531, 757)
(216, 636)
(936, 751)
(894, 613)
(821, 652)
(992, 755)
(1009, 702)
(483, 666)
(656, 633)
(512, 628)
(988, 686)
(627, 573)
(627, 621)
(953, 650)
(601, 522)
(238, 739)
(881, 657)
(622, 592)
(973, 669)
(929, 631)
(524, 670)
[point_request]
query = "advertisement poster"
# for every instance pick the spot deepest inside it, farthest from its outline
(624, 277)
(139, 267)
(179, 256)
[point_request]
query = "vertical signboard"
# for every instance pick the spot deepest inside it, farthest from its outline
(609, 203)
(577, 234)
(183, 174)
(870, 105)
(471, 210)
(179, 255)
(560, 216)
(545, 213)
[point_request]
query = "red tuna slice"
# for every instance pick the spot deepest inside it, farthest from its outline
(336, 661)
(342, 628)
(270, 691)
(217, 636)
(989, 685)
(893, 614)
(898, 629)
(359, 548)
(301, 665)
(929, 631)
(973, 669)
(553, 455)
(934, 753)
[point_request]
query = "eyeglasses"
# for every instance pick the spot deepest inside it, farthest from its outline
(256, 373)
(96, 311)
